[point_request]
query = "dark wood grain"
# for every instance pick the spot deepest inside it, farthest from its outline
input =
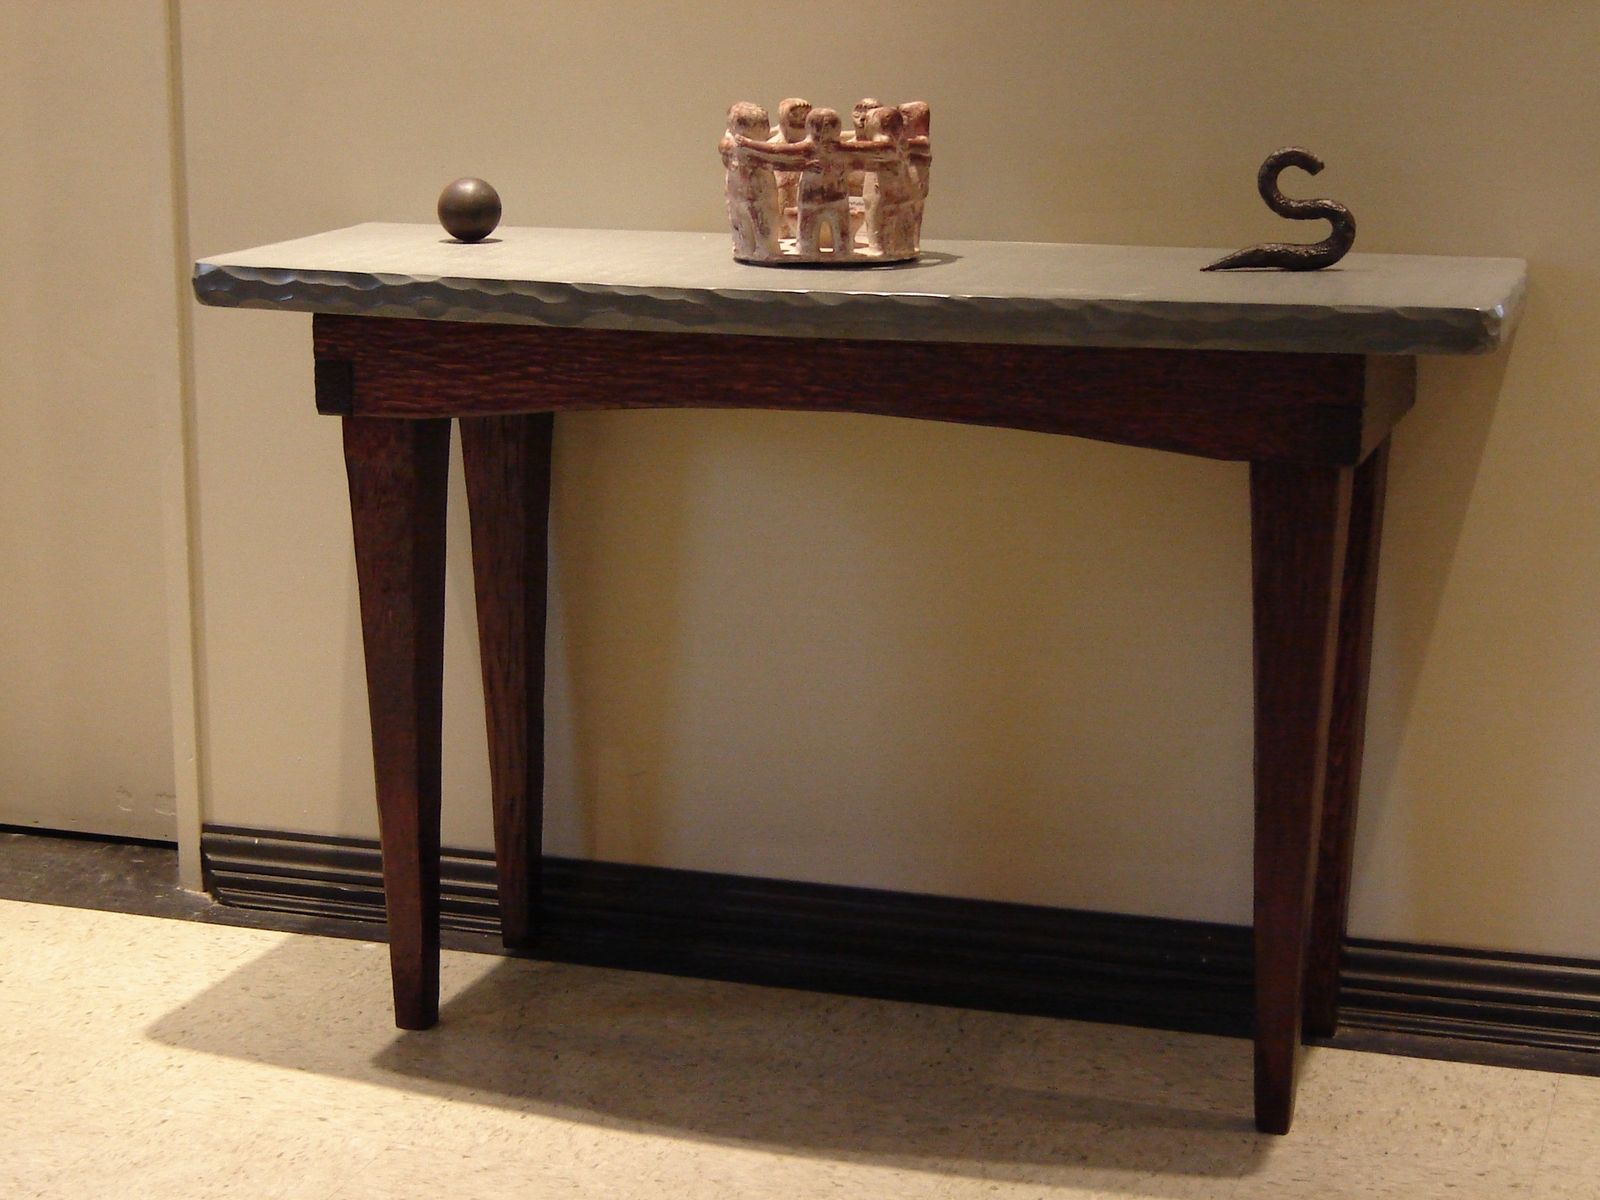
(507, 463)
(335, 387)
(1303, 421)
(1219, 404)
(1299, 522)
(397, 473)
(1346, 741)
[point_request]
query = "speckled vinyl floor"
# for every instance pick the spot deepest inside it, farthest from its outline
(149, 1058)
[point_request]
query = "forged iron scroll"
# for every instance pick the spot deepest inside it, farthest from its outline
(1292, 256)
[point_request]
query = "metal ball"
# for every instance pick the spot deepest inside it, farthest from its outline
(469, 209)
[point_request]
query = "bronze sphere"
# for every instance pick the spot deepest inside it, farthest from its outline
(469, 209)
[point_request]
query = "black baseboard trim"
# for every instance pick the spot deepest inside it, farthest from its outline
(1496, 997)
(1168, 974)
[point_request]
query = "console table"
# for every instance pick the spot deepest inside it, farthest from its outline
(1301, 375)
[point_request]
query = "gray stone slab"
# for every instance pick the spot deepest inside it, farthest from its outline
(1018, 292)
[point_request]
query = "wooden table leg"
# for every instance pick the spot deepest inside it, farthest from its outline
(397, 471)
(1346, 741)
(1299, 523)
(507, 463)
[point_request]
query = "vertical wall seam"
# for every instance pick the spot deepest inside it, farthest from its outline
(180, 502)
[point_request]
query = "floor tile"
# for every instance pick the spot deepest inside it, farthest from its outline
(152, 1058)
(1569, 1156)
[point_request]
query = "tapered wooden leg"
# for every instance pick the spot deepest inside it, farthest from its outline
(1346, 740)
(1299, 523)
(397, 471)
(508, 489)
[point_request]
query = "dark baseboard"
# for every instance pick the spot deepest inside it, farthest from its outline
(1520, 1000)
(1161, 973)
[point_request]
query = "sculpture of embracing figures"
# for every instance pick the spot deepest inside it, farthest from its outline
(806, 192)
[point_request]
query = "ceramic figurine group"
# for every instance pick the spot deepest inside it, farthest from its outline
(805, 192)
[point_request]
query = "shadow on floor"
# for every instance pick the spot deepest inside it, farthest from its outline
(943, 1090)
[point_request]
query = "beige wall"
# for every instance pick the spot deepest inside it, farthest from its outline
(88, 363)
(884, 653)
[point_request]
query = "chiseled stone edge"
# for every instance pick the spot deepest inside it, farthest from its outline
(1115, 323)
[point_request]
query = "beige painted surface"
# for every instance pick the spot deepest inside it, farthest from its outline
(959, 660)
(88, 359)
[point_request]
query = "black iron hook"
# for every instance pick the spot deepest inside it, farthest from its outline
(1293, 256)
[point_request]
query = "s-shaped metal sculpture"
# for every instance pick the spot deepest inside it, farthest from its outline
(1291, 256)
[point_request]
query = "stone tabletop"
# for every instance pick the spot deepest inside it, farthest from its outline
(1018, 292)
